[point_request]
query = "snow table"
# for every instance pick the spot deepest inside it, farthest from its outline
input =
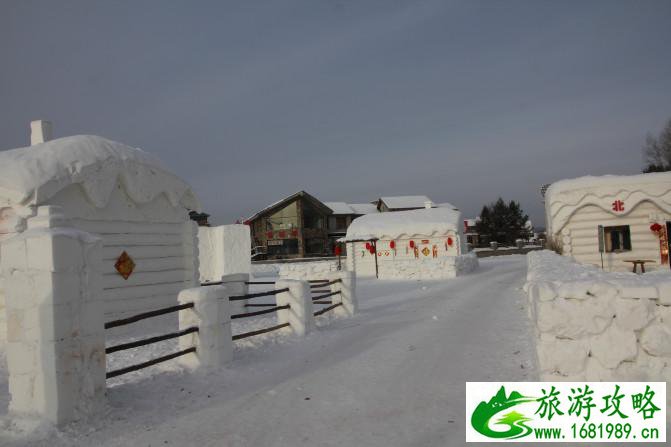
(638, 262)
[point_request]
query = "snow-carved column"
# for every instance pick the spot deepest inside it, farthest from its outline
(56, 336)
(300, 314)
(347, 296)
(566, 242)
(211, 315)
(236, 284)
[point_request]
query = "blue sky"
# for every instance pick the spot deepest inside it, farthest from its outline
(349, 100)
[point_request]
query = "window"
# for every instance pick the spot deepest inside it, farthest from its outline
(617, 239)
(314, 246)
(282, 247)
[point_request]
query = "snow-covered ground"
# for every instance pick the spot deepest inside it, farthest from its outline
(393, 375)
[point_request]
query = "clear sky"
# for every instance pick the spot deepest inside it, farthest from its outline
(349, 100)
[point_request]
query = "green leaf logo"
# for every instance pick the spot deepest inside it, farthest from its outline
(485, 412)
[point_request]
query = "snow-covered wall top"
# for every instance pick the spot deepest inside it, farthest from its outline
(393, 225)
(565, 197)
(31, 175)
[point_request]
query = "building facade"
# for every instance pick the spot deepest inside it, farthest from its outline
(294, 227)
(612, 219)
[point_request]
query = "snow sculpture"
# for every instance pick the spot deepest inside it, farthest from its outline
(418, 244)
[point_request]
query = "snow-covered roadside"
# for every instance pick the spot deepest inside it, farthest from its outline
(392, 375)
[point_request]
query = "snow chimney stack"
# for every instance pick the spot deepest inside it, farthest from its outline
(428, 204)
(40, 131)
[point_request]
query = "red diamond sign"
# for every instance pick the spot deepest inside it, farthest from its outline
(124, 265)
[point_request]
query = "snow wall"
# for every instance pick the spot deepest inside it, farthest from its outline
(592, 325)
(308, 270)
(223, 250)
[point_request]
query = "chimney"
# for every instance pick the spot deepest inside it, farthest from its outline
(40, 131)
(428, 204)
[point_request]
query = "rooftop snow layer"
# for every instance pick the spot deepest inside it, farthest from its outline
(421, 222)
(565, 197)
(31, 175)
(351, 208)
(396, 202)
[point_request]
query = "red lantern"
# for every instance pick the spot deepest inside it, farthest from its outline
(412, 244)
(337, 250)
(656, 227)
(449, 241)
(392, 245)
(372, 250)
(368, 246)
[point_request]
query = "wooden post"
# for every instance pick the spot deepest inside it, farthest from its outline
(376, 267)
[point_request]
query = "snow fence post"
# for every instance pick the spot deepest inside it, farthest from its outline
(236, 285)
(300, 314)
(212, 316)
(55, 328)
(347, 295)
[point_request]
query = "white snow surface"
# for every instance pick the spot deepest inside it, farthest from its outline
(393, 375)
(425, 222)
(395, 202)
(342, 208)
(31, 175)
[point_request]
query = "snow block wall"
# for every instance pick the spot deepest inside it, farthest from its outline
(448, 267)
(223, 250)
(592, 325)
(308, 270)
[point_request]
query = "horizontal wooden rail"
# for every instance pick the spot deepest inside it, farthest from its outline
(142, 365)
(322, 302)
(318, 280)
(326, 309)
(326, 295)
(148, 341)
(260, 331)
(256, 295)
(145, 315)
(259, 312)
(260, 305)
(321, 291)
(215, 283)
(259, 282)
(335, 281)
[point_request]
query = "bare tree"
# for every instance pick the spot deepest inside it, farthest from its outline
(657, 151)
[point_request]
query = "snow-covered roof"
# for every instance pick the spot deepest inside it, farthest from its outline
(397, 202)
(424, 222)
(445, 205)
(565, 197)
(351, 208)
(310, 198)
(363, 208)
(31, 175)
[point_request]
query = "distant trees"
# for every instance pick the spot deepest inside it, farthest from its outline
(657, 151)
(503, 222)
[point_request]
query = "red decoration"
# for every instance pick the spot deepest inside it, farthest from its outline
(269, 235)
(412, 244)
(283, 234)
(450, 241)
(372, 250)
(294, 232)
(124, 265)
(618, 206)
(368, 246)
(392, 245)
(655, 227)
(338, 250)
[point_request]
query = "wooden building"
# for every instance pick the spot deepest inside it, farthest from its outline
(294, 227)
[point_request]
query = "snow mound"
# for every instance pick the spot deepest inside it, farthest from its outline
(393, 225)
(31, 175)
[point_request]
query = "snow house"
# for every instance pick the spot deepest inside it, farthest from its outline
(417, 244)
(612, 219)
(122, 195)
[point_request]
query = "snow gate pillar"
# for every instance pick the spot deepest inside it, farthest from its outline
(236, 284)
(55, 329)
(300, 314)
(211, 315)
(347, 295)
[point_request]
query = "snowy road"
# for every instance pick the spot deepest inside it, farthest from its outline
(394, 375)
